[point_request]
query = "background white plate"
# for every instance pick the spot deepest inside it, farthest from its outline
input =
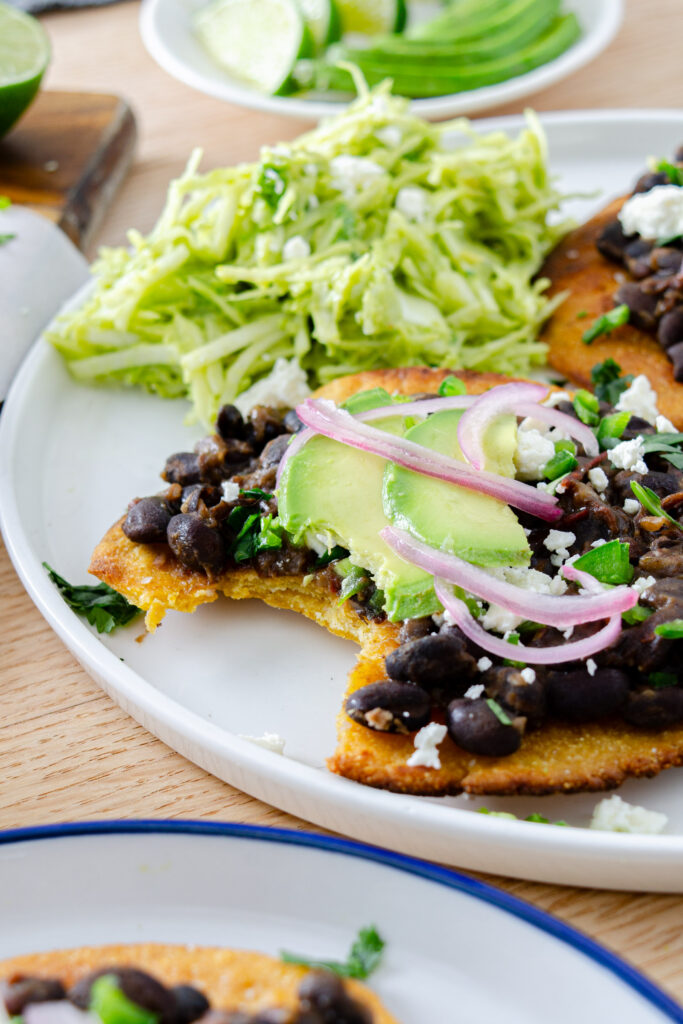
(166, 29)
(456, 950)
(71, 458)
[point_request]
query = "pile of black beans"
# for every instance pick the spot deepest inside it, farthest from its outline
(654, 291)
(191, 516)
(323, 999)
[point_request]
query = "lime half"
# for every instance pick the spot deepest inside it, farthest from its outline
(322, 17)
(257, 41)
(372, 17)
(24, 55)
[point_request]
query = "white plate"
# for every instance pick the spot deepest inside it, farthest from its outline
(71, 458)
(456, 950)
(166, 29)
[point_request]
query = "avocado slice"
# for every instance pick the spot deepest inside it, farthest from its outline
(473, 526)
(335, 492)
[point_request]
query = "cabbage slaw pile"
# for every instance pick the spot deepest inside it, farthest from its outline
(207, 303)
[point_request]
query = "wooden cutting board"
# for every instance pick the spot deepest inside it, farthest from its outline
(67, 156)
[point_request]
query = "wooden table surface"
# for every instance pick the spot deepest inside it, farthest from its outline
(66, 751)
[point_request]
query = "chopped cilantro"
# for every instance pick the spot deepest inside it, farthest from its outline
(662, 680)
(364, 957)
(671, 630)
(608, 382)
(667, 445)
(651, 502)
(582, 314)
(497, 710)
(355, 581)
(253, 533)
(608, 563)
(539, 819)
(606, 323)
(330, 556)
(452, 386)
(101, 605)
(673, 173)
(256, 492)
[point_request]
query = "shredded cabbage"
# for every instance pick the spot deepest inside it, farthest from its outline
(415, 245)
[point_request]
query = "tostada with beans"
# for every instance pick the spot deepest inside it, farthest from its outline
(508, 557)
(166, 984)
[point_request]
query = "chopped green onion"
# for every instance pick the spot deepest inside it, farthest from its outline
(671, 630)
(561, 463)
(673, 173)
(611, 428)
(565, 445)
(651, 502)
(452, 386)
(362, 401)
(354, 582)
(497, 709)
(6, 238)
(582, 314)
(606, 323)
(5, 201)
(112, 1006)
(586, 407)
(662, 680)
(608, 563)
(639, 613)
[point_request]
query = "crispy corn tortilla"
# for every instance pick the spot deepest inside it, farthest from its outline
(559, 757)
(230, 979)
(576, 266)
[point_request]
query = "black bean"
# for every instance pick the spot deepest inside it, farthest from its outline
(292, 423)
(197, 544)
(473, 726)
(580, 697)
(323, 993)
(198, 495)
(612, 242)
(227, 1017)
(19, 993)
(655, 709)
(264, 425)
(190, 1004)
(675, 354)
(273, 451)
(670, 330)
(182, 468)
(518, 697)
(433, 661)
(641, 305)
(415, 629)
(650, 179)
(230, 423)
(389, 707)
(147, 520)
(138, 986)
(666, 261)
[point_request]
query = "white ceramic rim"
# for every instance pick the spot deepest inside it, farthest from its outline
(321, 797)
(582, 52)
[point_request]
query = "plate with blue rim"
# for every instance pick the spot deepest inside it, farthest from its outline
(457, 950)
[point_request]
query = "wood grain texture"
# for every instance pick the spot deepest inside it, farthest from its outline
(67, 157)
(66, 751)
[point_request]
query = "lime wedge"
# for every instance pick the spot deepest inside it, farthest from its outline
(322, 17)
(257, 41)
(372, 17)
(24, 55)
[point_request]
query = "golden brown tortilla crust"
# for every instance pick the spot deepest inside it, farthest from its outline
(230, 979)
(576, 266)
(560, 757)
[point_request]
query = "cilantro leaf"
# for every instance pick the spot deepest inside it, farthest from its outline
(608, 382)
(651, 502)
(330, 556)
(256, 492)
(671, 630)
(364, 957)
(101, 605)
(606, 323)
(355, 581)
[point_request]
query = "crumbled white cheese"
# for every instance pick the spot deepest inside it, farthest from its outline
(598, 478)
(567, 634)
(631, 506)
(629, 455)
(640, 399)
(484, 664)
(413, 202)
(558, 543)
(616, 815)
(598, 543)
(591, 667)
(295, 248)
(664, 426)
(390, 134)
(528, 675)
(643, 583)
(555, 397)
(475, 691)
(500, 620)
(533, 452)
(286, 385)
(231, 490)
(269, 741)
(654, 214)
(529, 579)
(427, 741)
(352, 173)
